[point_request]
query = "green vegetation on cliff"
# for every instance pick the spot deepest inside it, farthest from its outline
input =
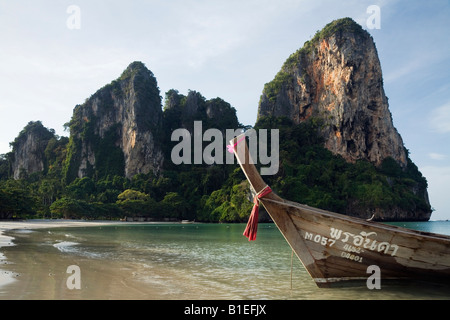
(180, 192)
(311, 174)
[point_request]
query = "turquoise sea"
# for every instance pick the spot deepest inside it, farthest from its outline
(175, 262)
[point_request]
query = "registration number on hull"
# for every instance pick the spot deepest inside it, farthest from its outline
(353, 244)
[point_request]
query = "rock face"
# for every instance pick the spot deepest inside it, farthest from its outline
(335, 81)
(336, 78)
(182, 111)
(117, 130)
(29, 149)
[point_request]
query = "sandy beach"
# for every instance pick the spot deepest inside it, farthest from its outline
(37, 273)
(7, 277)
(45, 224)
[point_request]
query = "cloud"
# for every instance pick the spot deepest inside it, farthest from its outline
(205, 30)
(405, 69)
(437, 156)
(440, 118)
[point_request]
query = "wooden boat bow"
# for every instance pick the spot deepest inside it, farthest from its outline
(337, 249)
(270, 202)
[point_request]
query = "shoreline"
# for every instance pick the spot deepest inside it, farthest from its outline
(35, 224)
(7, 277)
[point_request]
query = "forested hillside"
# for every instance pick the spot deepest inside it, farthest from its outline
(339, 149)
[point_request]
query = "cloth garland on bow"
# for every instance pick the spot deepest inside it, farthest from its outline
(252, 225)
(231, 148)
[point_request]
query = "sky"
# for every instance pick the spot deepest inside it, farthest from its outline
(56, 54)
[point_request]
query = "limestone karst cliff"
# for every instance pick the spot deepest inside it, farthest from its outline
(335, 81)
(116, 131)
(120, 145)
(28, 155)
(339, 149)
(123, 130)
(181, 111)
(337, 78)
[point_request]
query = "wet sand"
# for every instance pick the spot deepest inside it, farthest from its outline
(21, 281)
(36, 273)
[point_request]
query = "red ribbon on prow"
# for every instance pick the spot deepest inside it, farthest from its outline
(252, 225)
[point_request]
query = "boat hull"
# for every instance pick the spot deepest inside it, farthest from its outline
(338, 250)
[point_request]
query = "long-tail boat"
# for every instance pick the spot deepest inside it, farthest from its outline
(339, 250)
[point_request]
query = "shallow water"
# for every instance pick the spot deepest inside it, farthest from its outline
(176, 261)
